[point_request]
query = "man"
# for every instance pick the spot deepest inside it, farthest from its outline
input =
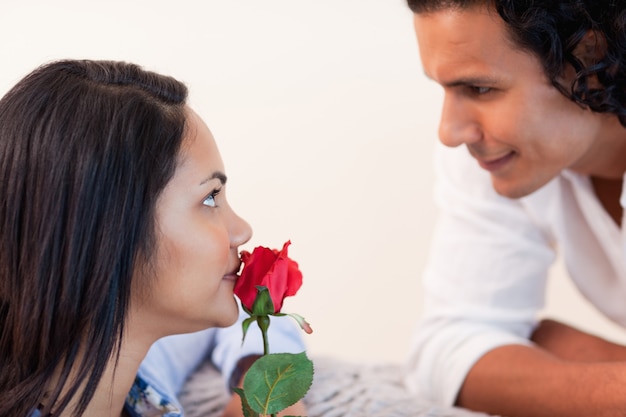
(534, 113)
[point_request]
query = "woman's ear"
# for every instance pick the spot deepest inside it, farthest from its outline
(591, 48)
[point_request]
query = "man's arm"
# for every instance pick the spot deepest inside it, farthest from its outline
(568, 373)
(572, 344)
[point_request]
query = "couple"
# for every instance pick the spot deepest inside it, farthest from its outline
(112, 184)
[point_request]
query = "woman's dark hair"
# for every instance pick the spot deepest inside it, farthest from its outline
(552, 29)
(86, 147)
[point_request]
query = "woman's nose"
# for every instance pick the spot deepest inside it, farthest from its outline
(458, 126)
(240, 231)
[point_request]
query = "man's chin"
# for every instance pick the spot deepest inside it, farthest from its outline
(513, 191)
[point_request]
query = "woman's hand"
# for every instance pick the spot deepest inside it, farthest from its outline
(233, 408)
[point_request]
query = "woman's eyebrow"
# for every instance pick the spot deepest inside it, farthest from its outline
(217, 174)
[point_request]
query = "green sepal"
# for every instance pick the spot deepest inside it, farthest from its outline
(245, 326)
(276, 381)
(301, 322)
(264, 323)
(245, 407)
(263, 304)
(246, 309)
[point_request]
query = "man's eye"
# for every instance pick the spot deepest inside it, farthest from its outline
(209, 201)
(480, 90)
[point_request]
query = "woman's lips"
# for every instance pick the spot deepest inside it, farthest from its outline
(495, 164)
(231, 277)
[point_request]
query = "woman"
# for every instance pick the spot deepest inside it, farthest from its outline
(534, 104)
(115, 232)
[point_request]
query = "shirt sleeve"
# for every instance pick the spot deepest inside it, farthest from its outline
(284, 337)
(484, 281)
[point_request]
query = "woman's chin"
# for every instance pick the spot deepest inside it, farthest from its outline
(229, 315)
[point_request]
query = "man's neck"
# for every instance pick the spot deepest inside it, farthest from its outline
(609, 192)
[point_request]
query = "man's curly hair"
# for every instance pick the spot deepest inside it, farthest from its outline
(552, 30)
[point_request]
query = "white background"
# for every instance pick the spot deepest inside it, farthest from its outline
(326, 124)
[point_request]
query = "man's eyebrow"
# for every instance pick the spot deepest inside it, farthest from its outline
(217, 174)
(471, 81)
(466, 81)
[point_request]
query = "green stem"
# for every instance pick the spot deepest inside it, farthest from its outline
(266, 343)
(264, 324)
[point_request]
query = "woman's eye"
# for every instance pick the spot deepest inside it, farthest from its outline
(209, 201)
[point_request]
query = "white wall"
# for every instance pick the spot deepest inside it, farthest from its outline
(326, 125)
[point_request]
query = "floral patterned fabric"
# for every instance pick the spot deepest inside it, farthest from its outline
(144, 401)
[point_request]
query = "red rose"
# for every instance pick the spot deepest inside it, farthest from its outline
(271, 269)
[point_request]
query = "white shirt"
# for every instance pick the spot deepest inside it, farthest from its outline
(486, 275)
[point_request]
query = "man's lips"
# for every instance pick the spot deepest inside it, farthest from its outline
(495, 164)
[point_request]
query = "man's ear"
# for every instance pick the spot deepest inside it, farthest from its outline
(591, 48)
